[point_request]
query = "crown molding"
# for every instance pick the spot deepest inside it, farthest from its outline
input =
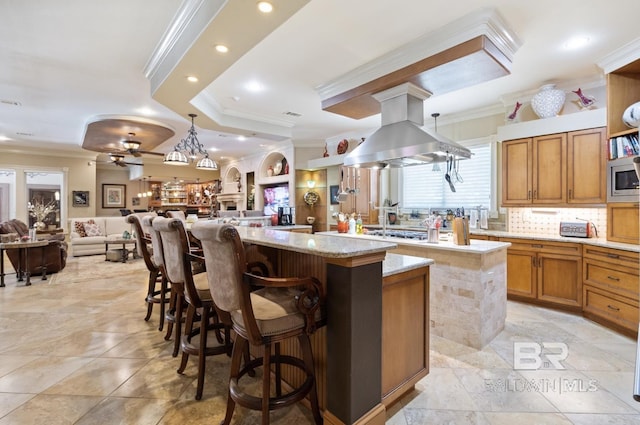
(620, 57)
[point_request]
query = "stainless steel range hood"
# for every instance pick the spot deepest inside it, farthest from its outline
(401, 141)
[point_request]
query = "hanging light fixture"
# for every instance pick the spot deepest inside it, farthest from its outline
(188, 149)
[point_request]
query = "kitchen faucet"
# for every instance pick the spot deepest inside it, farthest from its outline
(385, 212)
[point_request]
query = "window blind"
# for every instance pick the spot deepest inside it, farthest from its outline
(422, 187)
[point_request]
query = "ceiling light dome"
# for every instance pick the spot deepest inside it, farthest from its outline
(176, 158)
(265, 7)
(206, 163)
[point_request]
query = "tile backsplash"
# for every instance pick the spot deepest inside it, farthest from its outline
(546, 221)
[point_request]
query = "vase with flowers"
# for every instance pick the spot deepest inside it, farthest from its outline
(40, 211)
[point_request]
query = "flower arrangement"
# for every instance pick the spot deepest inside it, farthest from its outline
(40, 211)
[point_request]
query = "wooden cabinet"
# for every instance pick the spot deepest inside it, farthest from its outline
(556, 169)
(623, 89)
(363, 187)
(545, 272)
(623, 222)
(586, 167)
(610, 289)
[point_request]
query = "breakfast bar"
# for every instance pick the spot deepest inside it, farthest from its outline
(375, 345)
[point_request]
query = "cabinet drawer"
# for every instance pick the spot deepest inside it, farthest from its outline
(611, 255)
(530, 245)
(611, 277)
(620, 310)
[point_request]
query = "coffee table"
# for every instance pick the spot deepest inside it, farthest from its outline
(23, 254)
(124, 243)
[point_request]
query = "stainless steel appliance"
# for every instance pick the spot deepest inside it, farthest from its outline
(578, 229)
(622, 181)
(284, 216)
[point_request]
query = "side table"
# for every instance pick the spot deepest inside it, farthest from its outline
(23, 256)
(124, 243)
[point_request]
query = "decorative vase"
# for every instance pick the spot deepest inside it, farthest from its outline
(631, 115)
(270, 171)
(40, 225)
(548, 101)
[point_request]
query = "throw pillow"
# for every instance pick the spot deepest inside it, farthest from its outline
(80, 227)
(92, 229)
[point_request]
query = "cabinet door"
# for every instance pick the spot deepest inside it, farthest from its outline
(623, 222)
(521, 274)
(549, 169)
(586, 167)
(560, 279)
(362, 198)
(516, 172)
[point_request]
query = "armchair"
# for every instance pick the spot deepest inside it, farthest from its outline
(55, 254)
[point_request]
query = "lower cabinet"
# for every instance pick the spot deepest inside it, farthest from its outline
(548, 273)
(610, 289)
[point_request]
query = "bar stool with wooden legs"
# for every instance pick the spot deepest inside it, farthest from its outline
(173, 315)
(155, 294)
(283, 308)
(201, 314)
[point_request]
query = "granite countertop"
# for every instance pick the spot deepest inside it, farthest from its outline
(395, 263)
(320, 245)
(476, 246)
(587, 241)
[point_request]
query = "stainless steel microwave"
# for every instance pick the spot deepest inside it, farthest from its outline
(622, 181)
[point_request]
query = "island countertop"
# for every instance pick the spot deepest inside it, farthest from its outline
(476, 246)
(322, 245)
(396, 263)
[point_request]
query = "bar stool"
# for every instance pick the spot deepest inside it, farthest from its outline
(155, 295)
(201, 314)
(283, 308)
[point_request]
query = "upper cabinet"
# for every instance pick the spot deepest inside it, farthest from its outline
(557, 169)
(623, 90)
(362, 186)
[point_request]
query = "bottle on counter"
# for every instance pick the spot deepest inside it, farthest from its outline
(359, 225)
(352, 225)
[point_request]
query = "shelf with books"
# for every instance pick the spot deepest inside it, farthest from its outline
(624, 145)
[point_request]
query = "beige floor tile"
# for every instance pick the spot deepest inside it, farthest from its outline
(38, 375)
(10, 363)
(603, 419)
(9, 402)
(511, 418)
(100, 377)
(51, 410)
(126, 411)
(441, 389)
(618, 383)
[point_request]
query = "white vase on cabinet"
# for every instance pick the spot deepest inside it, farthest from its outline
(548, 102)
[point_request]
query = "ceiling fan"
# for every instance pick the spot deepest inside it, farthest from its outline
(118, 159)
(132, 147)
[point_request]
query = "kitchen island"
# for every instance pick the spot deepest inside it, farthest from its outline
(468, 286)
(375, 346)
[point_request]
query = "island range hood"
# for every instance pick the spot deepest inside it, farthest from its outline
(401, 141)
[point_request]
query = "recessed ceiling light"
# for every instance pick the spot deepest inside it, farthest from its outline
(221, 48)
(265, 7)
(146, 111)
(192, 79)
(242, 138)
(213, 149)
(577, 42)
(4, 138)
(254, 86)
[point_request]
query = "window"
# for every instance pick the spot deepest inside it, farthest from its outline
(424, 186)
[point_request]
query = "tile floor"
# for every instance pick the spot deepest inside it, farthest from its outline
(75, 350)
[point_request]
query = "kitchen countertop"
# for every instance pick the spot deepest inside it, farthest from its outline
(588, 241)
(476, 247)
(315, 244)
(603, 242)
(395, 263)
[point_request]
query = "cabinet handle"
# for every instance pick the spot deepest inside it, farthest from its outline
(570, 194)
(614, 308)
(533, 262)
(535, 194)
(617, 279)
(529, 195)
(613, 256)
(535, 245)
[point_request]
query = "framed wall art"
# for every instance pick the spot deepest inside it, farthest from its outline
(114, 195)
(333, 194)
(80, 198)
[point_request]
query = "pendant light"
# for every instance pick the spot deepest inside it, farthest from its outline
(189, 148)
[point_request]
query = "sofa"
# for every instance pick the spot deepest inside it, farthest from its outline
(82, 242)
(108, 228)
(55, 254)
